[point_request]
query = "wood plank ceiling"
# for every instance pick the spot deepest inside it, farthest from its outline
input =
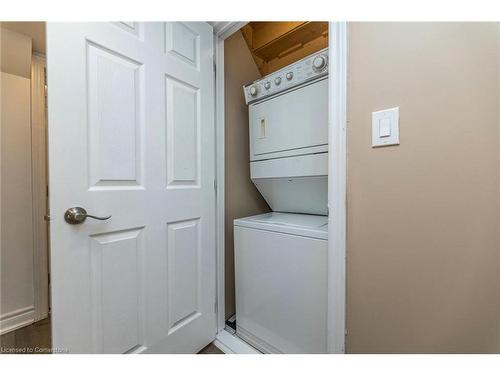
(277, 44)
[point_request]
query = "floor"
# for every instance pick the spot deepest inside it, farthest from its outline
(35, 339)
(32, 339)
(210, 349)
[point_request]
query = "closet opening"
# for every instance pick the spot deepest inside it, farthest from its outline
(276, 77)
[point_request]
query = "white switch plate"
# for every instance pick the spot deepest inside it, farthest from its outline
(385, 127)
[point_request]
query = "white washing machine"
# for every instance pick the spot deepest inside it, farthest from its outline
(281, 257)
(281, 282)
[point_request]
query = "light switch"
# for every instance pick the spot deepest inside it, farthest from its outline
(385, 127)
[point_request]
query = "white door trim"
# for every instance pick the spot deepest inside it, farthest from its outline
(219, 175)
(338, 49)
(39, 188)
(337, 183)
(223, 30)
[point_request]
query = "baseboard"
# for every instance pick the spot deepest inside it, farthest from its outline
(17, 319)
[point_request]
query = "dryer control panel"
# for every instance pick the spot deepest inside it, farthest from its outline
(307, 69)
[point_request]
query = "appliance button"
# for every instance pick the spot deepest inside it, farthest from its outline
(319, 63)
(253, 90)
(277, 80)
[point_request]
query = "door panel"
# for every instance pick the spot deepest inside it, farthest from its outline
(303, 111)
(182, 133)
(184, 42)
(131, 135)
(184, 279)
(117, 290)
(114, 110)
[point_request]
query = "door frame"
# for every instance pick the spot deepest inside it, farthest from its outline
(39, 168)
(337, 177)
(337, 185)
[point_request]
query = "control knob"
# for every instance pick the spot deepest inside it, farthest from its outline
(289, 76)
(267, 85)
(277, 80)
(253, 90)
(319, 63)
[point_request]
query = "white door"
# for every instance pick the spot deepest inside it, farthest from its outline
(131, 135)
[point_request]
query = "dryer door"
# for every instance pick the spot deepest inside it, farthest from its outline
(294, 123)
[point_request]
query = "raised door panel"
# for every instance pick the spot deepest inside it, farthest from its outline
(183, 127)
(114, 115)
(183, 42)
(117, 296)
(134, 28)
(183, 242)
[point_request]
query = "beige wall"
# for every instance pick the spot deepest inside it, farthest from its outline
(242, 198)
(16, 219)
(15, 56)
(424, 217)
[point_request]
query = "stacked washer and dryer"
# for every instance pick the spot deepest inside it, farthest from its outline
(281, 256)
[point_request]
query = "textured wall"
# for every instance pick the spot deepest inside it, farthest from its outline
(424, 216)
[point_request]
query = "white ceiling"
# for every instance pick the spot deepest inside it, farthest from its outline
(35, 30)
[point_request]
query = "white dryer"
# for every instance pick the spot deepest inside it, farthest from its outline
(288, 125)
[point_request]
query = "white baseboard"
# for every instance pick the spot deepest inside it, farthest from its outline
(17, 319)
(232, 344)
